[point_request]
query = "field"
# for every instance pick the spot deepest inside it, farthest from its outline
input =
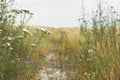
(47, 53)
(80, 55)
(84, 55)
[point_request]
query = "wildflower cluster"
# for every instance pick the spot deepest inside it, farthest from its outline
(46, 31)
(13, 42)
(28, 32)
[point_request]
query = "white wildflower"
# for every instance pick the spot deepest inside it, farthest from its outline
(27, 31)
(86, 73)
(8, 44)
(42, 29)
(57, 72)
(20, 37)
(10, 38)
(11, 48)
(33, 45)
(45, 30)
(90, 51)
(49, 32)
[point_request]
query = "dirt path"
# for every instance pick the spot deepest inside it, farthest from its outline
(51, 69)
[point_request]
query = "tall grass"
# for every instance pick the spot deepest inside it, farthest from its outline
(96, 54)
(100, 53)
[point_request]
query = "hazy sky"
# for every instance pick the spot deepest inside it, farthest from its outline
(58, 13)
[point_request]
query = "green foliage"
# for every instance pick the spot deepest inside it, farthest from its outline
(16, 45)
(98, 54)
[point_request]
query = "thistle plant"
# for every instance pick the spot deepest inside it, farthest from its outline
(99, 45)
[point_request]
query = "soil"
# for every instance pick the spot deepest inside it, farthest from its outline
(52, 69)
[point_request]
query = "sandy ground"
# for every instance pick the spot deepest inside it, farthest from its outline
(51, 69)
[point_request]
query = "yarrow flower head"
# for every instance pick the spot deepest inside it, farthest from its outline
(11, 48)
(8, 38)
(33, 45)
(27, 31)
(49, 32)
(91, 51)
(8, 44)
(44, 30)
(19, 37)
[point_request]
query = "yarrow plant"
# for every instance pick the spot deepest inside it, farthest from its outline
(15, 45)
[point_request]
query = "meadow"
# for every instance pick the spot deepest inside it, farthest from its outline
(85, 53)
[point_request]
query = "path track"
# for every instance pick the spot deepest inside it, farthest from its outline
(51, 69)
